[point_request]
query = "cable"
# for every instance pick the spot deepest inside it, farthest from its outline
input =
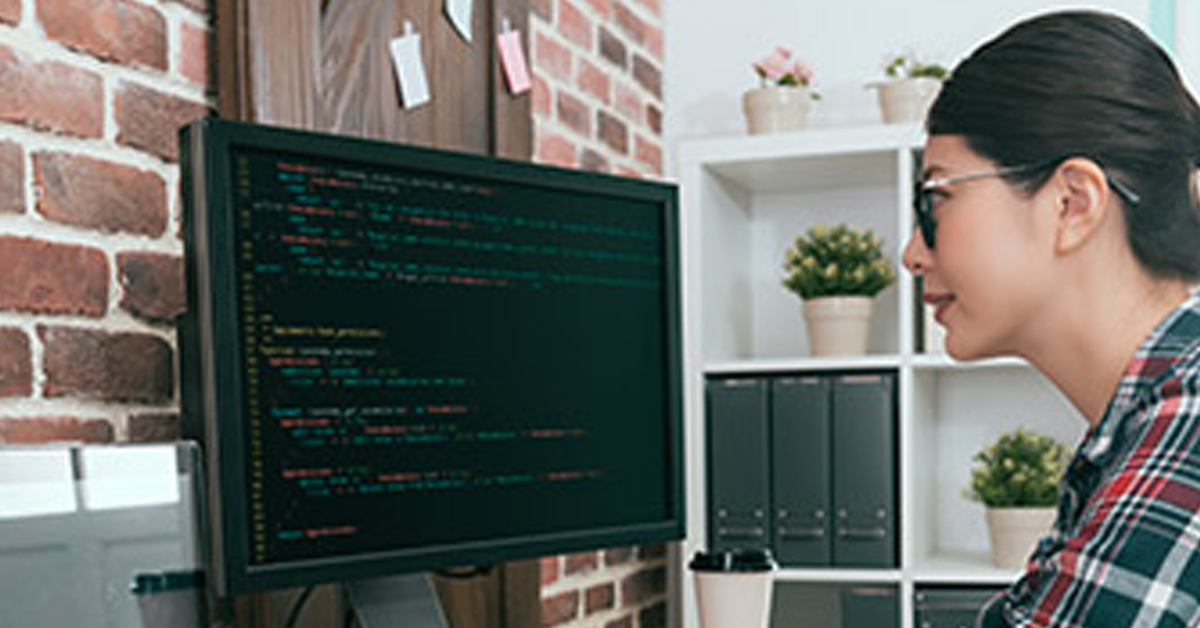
(298, 606)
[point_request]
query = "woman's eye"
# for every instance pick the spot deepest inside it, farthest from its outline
(936, 196)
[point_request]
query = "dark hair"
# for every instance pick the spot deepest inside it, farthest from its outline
(1083, 83)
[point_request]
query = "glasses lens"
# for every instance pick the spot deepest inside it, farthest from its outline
(924, 212)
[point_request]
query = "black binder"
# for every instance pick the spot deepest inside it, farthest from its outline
(800, 479)
(864, 464)
(870, 607)
(738, 463)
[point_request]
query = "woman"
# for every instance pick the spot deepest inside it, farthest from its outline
(1058, 221)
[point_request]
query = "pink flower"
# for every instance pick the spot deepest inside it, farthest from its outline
(779, 68)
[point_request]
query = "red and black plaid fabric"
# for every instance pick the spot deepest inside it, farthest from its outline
(1125, 550)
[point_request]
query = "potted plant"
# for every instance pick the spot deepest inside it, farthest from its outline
(837, 273)
(1017, 478)
(783, 100)
(910, 88)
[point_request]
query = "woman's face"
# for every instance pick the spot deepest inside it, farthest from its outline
(990, 271)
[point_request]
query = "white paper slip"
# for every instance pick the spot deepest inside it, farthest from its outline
(512, 60)
(459, 12)
(410, 69)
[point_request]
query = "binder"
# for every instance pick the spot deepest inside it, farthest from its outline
(800, 456)
(738, 464)
(864, 482)
(870, 607)
(945, 607)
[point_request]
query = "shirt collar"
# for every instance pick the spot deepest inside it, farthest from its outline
(1155, 361)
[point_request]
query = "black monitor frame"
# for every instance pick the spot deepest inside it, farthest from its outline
(211, 379)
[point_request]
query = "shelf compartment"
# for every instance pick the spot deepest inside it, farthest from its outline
(950, 414)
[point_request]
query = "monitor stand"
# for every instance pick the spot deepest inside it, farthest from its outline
(407, 601)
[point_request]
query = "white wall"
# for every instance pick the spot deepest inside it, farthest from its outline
(1187, 42)
(710, 45)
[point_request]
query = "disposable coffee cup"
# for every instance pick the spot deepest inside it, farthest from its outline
(733, 588)
(172, 599)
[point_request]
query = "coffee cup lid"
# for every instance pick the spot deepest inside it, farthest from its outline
(735, 560)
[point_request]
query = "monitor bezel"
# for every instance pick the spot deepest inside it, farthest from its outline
(212, 384)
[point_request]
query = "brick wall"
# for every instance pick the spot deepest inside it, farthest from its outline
(598, 105)
(91, 92)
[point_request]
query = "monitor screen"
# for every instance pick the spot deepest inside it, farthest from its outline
(402, 359)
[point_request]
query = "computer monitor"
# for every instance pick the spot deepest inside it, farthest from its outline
(400, 359)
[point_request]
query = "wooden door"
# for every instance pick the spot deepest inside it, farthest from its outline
(325, 65)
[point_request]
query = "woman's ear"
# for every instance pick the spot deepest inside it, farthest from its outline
(1083, 201)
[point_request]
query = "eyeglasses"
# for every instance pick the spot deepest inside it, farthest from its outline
(923, 191)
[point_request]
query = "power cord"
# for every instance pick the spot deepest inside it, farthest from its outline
(298, 606)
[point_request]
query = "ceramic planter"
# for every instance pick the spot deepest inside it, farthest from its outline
(838, 325)
(776, 109)
(907, 100)
(1015, 532)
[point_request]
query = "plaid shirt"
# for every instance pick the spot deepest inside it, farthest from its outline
(1125, 550)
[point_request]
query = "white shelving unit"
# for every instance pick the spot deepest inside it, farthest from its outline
(743, 201)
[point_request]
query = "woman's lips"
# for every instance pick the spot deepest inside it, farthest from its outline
(941, 302)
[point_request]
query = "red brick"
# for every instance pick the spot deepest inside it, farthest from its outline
(555, 149)
(560, 609)
(543, 9)
(592, 80)
(574, 114)
(541, 98)
(643, 586)
(626, 171)
(49, 429)
(593, 161)
(123, 31)
(623, 622)
(12, 178)
(16, 363)
(553, 57)
(655, 6)
(618, 556)
(149, 120)
(649, 153)
(549, 569)
(612, 132)
(647, 75)
(628, 101)
(654, 42)
(654, 616)
(91, 193)
(600, 597)
(602, 7)
(47, 278)
(582, 563)
(93, 364)
(10, 11)
(193, 53)
(51, 96)
(630, 23)
(154, 428)
(613, 49)
(654, 118)
(153, 286)
(574, 25)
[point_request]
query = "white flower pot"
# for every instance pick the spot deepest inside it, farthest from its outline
(907, 100)
(838, 325)
(776, 109)
(1015, 532)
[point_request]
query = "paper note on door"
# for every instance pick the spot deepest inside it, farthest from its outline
(410, 69)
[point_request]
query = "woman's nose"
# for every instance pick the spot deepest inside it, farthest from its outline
(917, 257)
